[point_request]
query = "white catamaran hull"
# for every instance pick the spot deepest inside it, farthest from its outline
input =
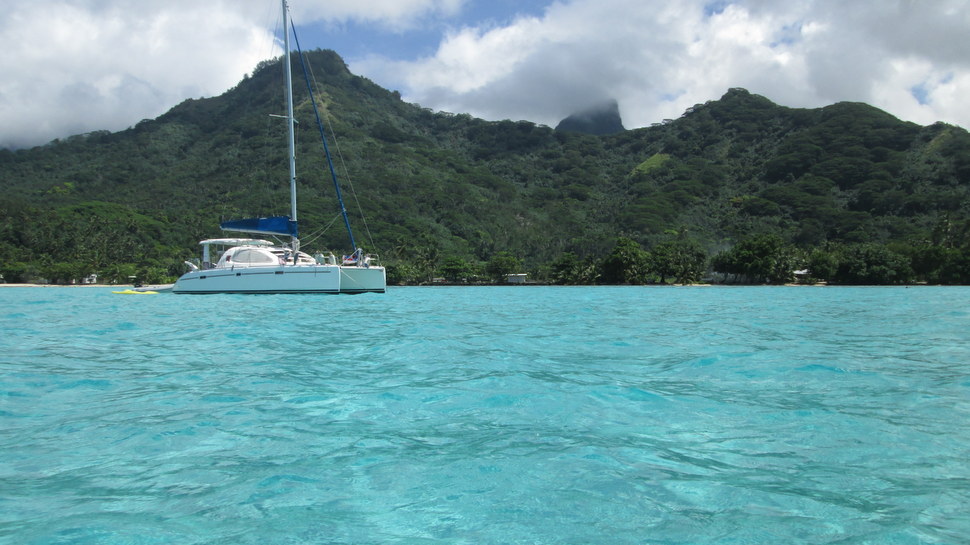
(362, 279)
(284, 279)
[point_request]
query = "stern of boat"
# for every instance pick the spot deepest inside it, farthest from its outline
(362, 279)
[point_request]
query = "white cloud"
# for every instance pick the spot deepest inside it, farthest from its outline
(73, 67)
(658, 58)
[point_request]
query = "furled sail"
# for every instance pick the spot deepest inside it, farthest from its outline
(276, 225)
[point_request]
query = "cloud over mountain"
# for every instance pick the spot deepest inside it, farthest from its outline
(659, 58)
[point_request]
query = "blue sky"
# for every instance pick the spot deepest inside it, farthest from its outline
(75, 66)
(357, 39)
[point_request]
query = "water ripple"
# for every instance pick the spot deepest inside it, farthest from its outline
(486, 415)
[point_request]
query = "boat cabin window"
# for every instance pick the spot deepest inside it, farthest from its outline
(302, 258)
(254, 257)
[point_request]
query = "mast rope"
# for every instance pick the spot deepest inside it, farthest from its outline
(320, 232)
(323, 138)
(311, 77)
(340, 158)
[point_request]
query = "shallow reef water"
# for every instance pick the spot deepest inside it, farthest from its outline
(480, 415)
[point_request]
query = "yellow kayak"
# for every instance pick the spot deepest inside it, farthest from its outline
(133, 292)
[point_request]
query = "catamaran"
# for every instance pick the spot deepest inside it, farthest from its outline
(255, 265)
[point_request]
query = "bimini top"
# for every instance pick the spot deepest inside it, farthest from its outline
(236, 242)
(275, 225)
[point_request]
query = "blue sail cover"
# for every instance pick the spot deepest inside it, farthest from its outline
(276, 225)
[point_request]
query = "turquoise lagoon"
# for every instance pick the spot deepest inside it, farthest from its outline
(492, 415)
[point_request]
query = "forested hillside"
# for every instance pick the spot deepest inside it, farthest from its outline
(738, 189)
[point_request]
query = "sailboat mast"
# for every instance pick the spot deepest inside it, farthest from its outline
(289, 114)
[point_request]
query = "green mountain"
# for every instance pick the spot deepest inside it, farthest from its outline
(430, 189)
